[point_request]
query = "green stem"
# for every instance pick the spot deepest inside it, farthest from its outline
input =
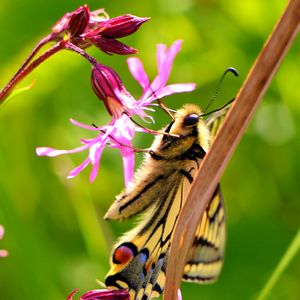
(25, 71)
(40, 44)
(72, 47)
(26, 68)
(288, 256)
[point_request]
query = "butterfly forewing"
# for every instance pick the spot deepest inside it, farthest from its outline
(215, 120)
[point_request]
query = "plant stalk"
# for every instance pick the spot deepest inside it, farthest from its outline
(23, 72)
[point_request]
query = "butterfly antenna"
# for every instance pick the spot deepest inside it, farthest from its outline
(218, 109)
(231, 70)
(153, 131)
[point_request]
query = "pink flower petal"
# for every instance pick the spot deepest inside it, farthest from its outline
(96, 163)
(128, 164)
(179, 295)
(161, 52)
(51, 152)
(176, 88)
(1, 232)
(137, 71)
(78, 169)
(166, 66)
(76, 123)
(3, 253)
(47, 151)
(124, 129)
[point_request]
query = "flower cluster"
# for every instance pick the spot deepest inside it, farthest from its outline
(76, 31)
(121, 105)
(85, 28)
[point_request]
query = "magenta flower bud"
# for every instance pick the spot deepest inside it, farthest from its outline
(79, 20)
(112, 46)
(106, 84)
(121, 26)
(62, 24)
(106, 295)
(102, 295)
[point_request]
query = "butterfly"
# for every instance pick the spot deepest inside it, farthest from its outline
(157, 193)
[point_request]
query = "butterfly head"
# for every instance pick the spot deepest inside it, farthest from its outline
(189, 125)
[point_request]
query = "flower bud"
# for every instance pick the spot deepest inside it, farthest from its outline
(106, 295)
(105, 83)
(102, 295)
(79, 20)
(121, 26)
(62, 24)
(112, 46)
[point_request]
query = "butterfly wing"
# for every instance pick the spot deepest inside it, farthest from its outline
(147, 189)
(139, 259)
(215, 120)
(205, 258)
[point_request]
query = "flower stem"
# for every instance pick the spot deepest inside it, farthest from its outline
(39, 45)
(290, 253)
(23, 72)
(70, 46)
(25, 69)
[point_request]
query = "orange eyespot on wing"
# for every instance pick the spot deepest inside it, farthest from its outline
(124, 253)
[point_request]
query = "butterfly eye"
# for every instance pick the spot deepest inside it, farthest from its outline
(190, 120)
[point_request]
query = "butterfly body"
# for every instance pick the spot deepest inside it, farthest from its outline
(158, 192)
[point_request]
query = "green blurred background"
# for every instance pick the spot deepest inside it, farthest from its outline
(55, 234)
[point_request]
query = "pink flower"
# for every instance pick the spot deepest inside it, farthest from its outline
(102, 295)
(117, 134)
(158, 88)
(122, 106)
(3, 253)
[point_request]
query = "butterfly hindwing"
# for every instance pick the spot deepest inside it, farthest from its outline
(139, 260)
(205, 258)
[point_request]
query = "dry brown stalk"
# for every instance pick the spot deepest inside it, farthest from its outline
(226, 141)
